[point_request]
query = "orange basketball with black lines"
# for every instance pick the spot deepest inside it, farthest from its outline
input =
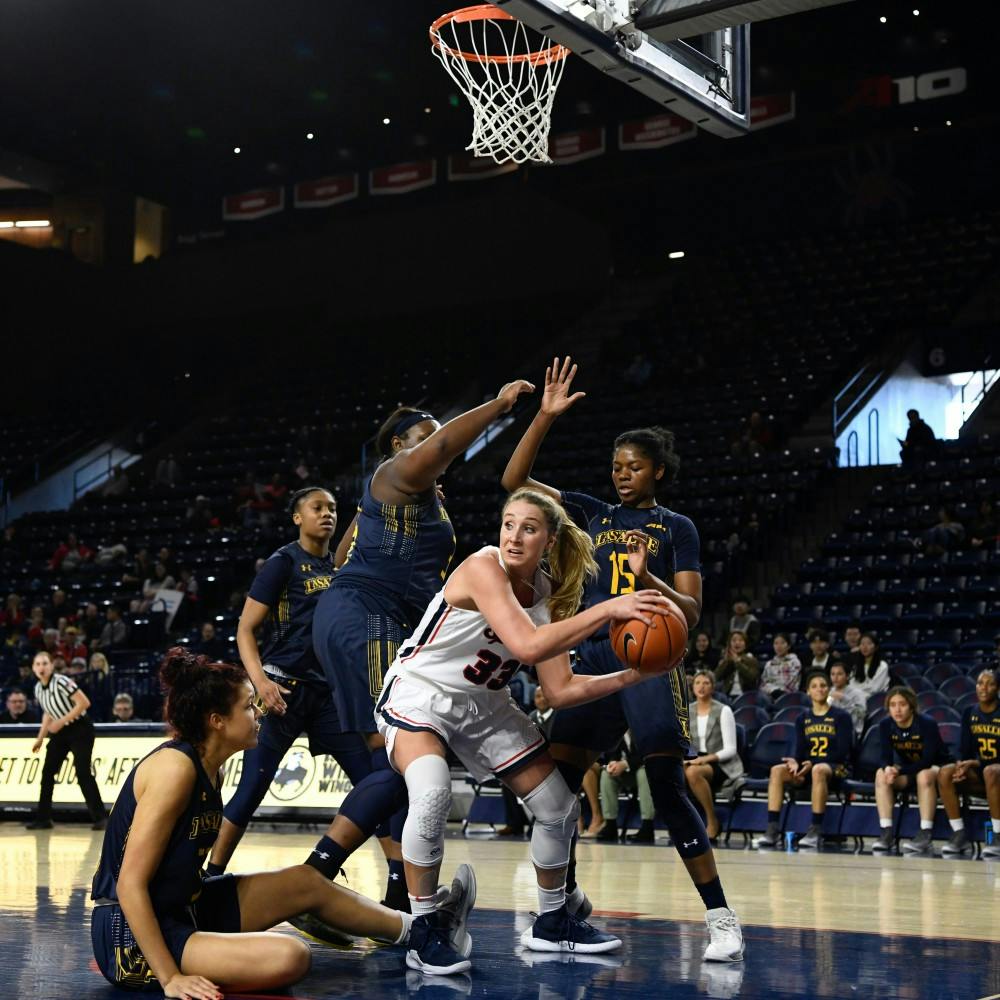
(651, 649)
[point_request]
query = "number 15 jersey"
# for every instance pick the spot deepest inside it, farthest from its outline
(454, 649)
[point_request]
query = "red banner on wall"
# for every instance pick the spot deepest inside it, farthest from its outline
(468, 167)
(771, 109)
(253, 204)
(401, 178)
(655, 132)
(326, 191)
(572, 147)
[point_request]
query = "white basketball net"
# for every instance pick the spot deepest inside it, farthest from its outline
(509, 77)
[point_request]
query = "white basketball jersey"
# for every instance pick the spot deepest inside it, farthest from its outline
(456, 649)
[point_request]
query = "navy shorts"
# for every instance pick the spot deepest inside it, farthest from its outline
(356, 636)
(118, 956)
(655, 711)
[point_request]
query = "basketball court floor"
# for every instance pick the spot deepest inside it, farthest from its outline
(828, 925)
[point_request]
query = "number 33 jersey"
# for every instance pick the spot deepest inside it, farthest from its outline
(454, 649)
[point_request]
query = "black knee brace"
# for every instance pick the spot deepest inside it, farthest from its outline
(669, 790)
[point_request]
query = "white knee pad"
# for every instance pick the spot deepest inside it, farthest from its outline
(428, 782)
(555, 809)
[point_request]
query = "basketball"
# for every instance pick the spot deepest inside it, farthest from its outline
(651, 649)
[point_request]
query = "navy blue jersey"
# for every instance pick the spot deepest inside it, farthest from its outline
(176, 883)
(673, 543)
(981, 735)
(914, 748)
(400, 551)
(824, 739)
(290, 583)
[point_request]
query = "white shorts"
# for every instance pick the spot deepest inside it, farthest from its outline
(485, 729)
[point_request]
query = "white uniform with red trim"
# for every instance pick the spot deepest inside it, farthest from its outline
(450, 678)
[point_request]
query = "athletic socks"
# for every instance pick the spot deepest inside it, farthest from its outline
(884, 824)
(422, 905)
(396, 872)
(212, 869)
(551, 899)
(711, 894)
(996, 826)
(927, 824)
(773, 815)
(817, 819)
(404, 934)
(957, 824)
(327, 857)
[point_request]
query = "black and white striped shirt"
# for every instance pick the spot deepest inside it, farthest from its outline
(57, 697)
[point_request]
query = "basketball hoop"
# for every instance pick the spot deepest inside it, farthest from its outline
(509, 77)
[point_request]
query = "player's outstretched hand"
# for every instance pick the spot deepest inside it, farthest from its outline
(191, 988)
(509, 393)
(643, 604)
(557, 397)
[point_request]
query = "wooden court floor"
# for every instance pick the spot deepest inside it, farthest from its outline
(827, 925)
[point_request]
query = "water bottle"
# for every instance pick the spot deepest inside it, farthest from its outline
(789, 840)
(989, 833)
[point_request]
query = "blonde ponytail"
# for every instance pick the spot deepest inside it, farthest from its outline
(571, 558)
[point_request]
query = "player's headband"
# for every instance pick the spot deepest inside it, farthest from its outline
(411, 420)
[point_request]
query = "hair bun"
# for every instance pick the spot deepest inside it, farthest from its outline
(179, 667)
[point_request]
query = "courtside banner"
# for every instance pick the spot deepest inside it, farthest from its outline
(402, 178)
(572, 147)
(655, 132)
(466, 167)
(771, 109)
(253, 204)
(302, 781)
(326, 191)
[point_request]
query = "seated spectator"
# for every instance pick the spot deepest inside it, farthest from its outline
(15, 647)
(209, 644)
(819, 646)
(743, 621)
(624, 770)
(89, 623)
(59, 606)
(983, 528)
(199, 515)
(50, 641)
(824, 737)
(98, 664)
(847, 696)
(12, 615)
(114, 635)
(754, 437)
(713, 735)
(738, 670)
(70, 555)
(36, 628)
(947, 534)
(851, 643)
(25, 675)
(168, 473)
(920, 443)
(142, 567)
(116, 485)
(76, 666)
(71, 644)
(977, 771)
(111, 555)
(870, 672)
(123, 708)
(18, 710)
(151, 587)
(542, 715)
(912, 755)
(59, 664)
(781, 672)
(702, 655)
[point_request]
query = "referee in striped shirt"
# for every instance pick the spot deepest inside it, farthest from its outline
(65, 721)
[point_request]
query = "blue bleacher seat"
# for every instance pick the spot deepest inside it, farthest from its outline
(938, 673)
(753, 718)
(954, 688)
(792, 698)
(942, 713)
(756, 697)
(926, 699)
(790, 713)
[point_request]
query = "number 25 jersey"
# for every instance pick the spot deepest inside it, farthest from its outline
(455, 649)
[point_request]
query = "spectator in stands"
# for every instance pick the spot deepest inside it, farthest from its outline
(89, 623)
(702, 655)
(743, 621)
(919, 444)
(142, 567)
(591, 788)
(123, 708)
(870, 672)
(76, 666)
(824, 737)
(847, 696)
(114, 635)
(111, 555)
(819, 646)
(168, 473)
(12, 615)
(151, 587)
(36, 627)
(541, 715)
(99, 664)
(116, 485)
(754, 437)
(59, 664)
(18, 710)
(852, 638)
(912, 754)
(199, 516)
(738, 669)
(25, 677)
(70, 555)
(209, 644)
(166, 557)
(624, 770)
(71, 644)
(15, 647)
(978, 769)
(50, 641)
(983, 528)
(781, 672)
(947, 534)
(713, 735)
(59, 606)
